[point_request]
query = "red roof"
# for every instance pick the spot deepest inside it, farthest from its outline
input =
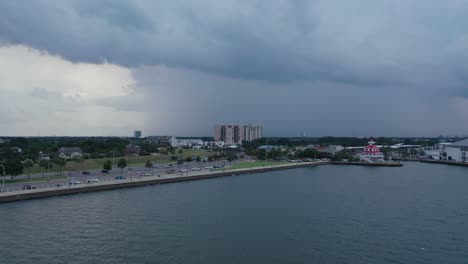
(370, 149)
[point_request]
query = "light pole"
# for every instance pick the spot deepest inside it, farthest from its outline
(3, 174)
(48, 170)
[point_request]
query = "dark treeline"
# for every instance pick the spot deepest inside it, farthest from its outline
(97, 146)
(17, 153)
(279, 148)
(30, 147)
(343, 141)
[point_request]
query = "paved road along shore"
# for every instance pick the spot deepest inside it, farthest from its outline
(131, 172)
(151, 180)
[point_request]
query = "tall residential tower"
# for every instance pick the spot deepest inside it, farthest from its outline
(235, 134)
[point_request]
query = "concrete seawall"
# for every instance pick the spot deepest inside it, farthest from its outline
(377, 164)
(43, 193)
(446, 162)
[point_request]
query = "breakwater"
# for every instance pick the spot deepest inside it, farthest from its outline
(377, 164)
(153, 180)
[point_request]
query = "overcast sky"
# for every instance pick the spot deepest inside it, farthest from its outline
(326, 67)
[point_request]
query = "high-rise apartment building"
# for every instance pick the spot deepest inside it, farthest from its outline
(235, 134)
(137, 134)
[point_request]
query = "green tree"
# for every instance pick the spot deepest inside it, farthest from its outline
(149, 164)
(189, 159)
(180, 151)
(45, 165)
(198, 159)
(28, 164)
(231, 156)
(12, 159)
(107, 165)
(13, 167)
(122, 164)
(60, 162)
(77, 162)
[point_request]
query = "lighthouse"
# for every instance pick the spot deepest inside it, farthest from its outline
(371, 153)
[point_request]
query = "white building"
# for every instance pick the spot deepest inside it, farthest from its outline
(189, 143)
(433, 154)
(213, 144)
(163, 140)
(330, 150)
(458, 151)
(70, 153)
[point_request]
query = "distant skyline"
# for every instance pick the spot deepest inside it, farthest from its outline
(338, 68)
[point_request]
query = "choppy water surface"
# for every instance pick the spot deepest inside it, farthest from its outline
(329, 214)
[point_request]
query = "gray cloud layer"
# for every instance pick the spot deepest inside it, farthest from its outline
(369, 42)
(317, 62)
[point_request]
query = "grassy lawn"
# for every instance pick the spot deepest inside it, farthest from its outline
(254, 164)
(36, 179)
(93, 164)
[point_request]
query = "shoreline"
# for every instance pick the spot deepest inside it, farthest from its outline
(138, 182)
(377, 164)
(445, 162)
(22, 195)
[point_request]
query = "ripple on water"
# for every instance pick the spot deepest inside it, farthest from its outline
(415, 214)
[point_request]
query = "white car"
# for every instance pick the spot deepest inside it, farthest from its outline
(183, 170)
(74, 182)
(145, 174)
(209, 168)
(91, 180)
(196, 169)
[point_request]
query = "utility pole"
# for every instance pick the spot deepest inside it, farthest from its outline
(48, 168)
(3, 174)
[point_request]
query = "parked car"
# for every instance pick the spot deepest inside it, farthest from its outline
(104, 171)
(91, 180)
(75, 182)
(209, 167)
(120, 177)
(196, 169)
(183, 170)
(170, 171)
(145, 174)
(86, 172)
(28, 187)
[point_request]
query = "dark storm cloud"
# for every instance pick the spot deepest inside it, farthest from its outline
(363, 43)
(187, 103)
(292, 65)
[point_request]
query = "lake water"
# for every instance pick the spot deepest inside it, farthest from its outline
(329, 214)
